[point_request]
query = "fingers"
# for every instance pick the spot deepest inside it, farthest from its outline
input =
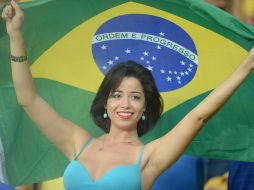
(7, 13)
(16, 7)
(14, 4)
(12, 10)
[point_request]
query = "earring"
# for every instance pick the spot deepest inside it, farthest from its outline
(143, 117)
(105, 115)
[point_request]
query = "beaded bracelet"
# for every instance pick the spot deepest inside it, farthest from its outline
(19, 58)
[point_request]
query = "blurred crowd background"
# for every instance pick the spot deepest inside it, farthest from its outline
(242, 9)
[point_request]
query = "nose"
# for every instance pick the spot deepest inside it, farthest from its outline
(125, 103)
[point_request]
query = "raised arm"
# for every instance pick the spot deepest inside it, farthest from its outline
(167, 149)
(64, 134)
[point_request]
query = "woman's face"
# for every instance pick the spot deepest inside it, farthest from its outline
(126, 104)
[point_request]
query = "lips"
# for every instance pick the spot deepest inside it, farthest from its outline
(125, 115)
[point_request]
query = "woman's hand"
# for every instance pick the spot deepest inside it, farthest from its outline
(14, 17)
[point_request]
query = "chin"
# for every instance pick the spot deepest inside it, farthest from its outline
(126, 126)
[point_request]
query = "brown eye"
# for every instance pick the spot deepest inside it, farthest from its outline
(136, 97)
(116, 95)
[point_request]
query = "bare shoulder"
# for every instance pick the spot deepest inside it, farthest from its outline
(149, 149)
(81, 136)
(149, 171)
(147, 156)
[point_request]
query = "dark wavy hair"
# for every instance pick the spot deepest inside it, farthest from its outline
(153, 100)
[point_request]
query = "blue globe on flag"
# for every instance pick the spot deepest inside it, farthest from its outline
(156, 43)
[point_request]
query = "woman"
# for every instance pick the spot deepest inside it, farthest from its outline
(123, 108)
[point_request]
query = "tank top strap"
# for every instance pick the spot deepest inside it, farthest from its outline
(83, 148)
(141, 154)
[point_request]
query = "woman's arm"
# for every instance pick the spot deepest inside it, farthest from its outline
(164, 151)
(64, 134)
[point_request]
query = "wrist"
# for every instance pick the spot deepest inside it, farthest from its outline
(19, 59)
(16, 35)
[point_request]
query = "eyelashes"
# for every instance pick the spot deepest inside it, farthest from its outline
(118, 95)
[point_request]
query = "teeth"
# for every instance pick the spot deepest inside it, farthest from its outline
(124, 114)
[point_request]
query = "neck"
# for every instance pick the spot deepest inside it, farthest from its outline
(117, 136)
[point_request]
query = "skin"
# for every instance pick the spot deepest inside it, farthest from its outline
(158, 155)
(25, 187)
(126, 105)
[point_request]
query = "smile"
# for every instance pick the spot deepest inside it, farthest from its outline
(125, 115)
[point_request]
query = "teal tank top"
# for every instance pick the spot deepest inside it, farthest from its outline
(123, 177)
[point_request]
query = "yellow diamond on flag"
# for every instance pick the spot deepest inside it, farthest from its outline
(70, 59)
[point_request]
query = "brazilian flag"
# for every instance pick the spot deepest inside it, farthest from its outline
(189, 46)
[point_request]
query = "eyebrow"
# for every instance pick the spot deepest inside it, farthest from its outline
(133, 92)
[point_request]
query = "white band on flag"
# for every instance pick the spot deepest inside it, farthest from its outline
(148, 38)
